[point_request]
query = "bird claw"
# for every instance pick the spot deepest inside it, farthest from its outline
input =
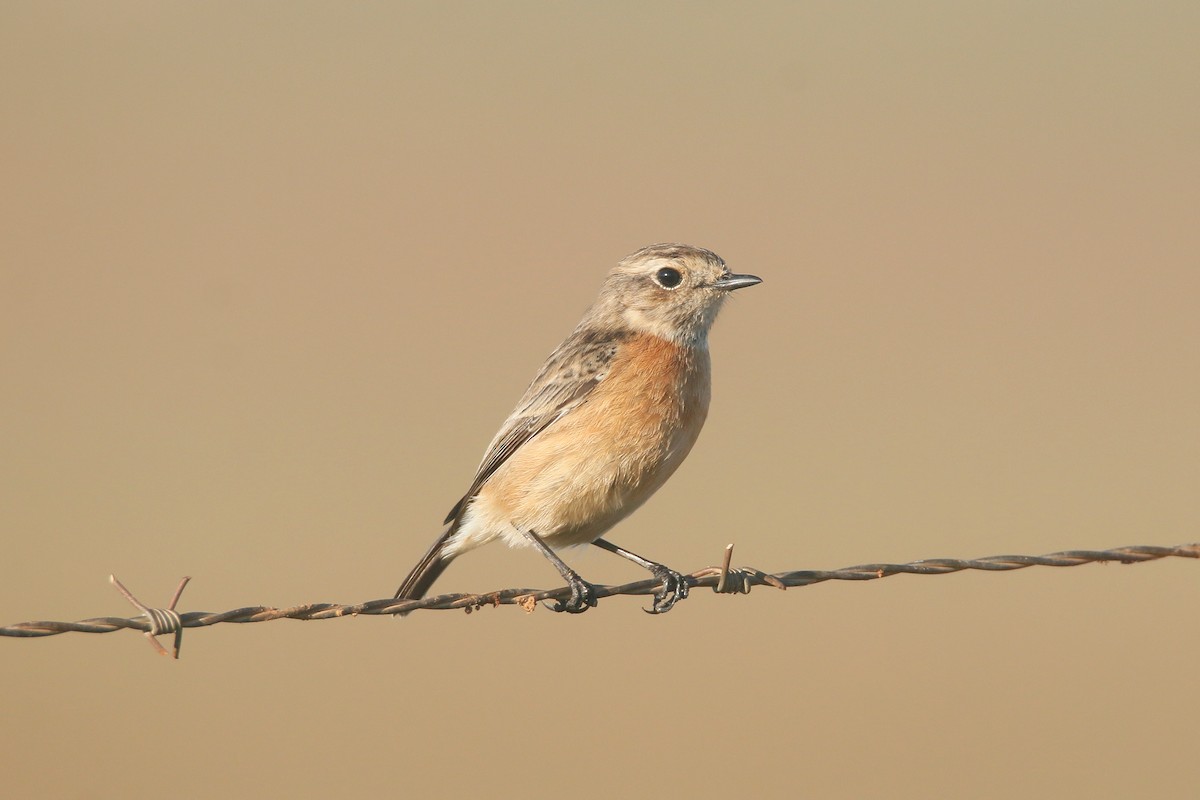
(674, 588)
(583, 597)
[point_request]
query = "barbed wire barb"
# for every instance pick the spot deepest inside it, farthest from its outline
(162, 620)
(723, 579)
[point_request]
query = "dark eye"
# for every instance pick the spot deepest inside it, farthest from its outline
(668, 278)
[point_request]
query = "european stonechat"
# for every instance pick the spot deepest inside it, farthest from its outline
(610, 416)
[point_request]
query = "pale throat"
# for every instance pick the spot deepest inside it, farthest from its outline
(693, 334)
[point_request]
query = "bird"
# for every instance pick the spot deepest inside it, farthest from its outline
(607, 420)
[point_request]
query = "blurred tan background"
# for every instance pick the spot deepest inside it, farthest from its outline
(272, 274)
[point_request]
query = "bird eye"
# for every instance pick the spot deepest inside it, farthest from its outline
(668, 278)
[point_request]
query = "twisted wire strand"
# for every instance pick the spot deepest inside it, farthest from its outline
(732, 581)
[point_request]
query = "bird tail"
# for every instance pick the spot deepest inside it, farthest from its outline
(428, 569)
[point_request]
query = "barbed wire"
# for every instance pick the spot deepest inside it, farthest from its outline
(724, 579)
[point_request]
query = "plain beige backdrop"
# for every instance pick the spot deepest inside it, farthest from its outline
(271, 274)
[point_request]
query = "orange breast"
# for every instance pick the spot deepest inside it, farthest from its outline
(596, 465)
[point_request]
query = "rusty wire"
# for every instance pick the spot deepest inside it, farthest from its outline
(723, 579)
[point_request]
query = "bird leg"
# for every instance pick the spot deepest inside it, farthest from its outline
(674, 585)
(583, 594)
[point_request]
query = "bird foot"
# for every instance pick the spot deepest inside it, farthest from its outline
(674, 588)
(583, 597)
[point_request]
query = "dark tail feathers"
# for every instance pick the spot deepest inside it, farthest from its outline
(427, 570)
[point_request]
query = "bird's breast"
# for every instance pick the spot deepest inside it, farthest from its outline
(603, 459)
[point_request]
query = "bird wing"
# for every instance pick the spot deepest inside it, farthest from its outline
(569, 375)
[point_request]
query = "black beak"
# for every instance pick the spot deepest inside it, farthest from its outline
(731, 282)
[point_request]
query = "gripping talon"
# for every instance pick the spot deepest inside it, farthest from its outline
(674, 588)
(583, 597)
